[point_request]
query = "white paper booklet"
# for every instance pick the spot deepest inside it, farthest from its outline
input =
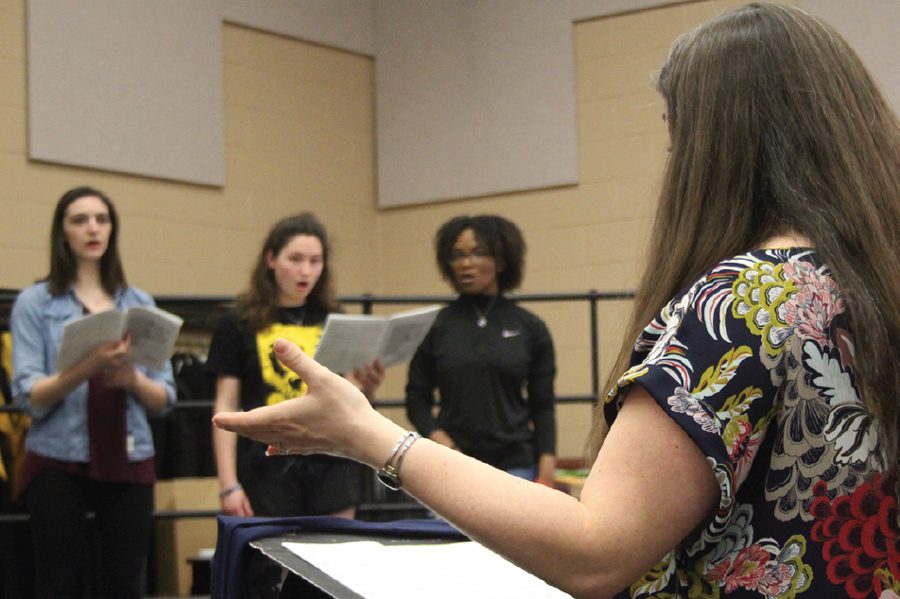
(153, 334)
(353, 340)
(434, 570)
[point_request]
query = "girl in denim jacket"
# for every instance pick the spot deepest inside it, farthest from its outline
(89, 448)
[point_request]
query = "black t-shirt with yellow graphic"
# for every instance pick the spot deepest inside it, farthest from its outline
(236, 351)
(289, 485)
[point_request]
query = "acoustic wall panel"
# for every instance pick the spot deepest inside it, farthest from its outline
(872, 29)
(473, 98)
(133, 87)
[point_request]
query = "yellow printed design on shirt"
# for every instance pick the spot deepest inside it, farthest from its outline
(280, 382)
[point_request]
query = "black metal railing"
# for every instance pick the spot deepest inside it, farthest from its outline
(201, 312)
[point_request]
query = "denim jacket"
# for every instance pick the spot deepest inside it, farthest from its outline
(61, 431)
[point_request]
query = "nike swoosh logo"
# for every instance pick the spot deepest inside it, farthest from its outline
(507, 333)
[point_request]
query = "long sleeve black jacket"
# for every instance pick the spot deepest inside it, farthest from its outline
(495, 384)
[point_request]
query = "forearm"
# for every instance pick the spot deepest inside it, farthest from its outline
(420, 386)
(546, 473)
(418, 411)
(546, 532)
(441, 436)
(52, 389)
(235, 501)
(592, 547)
(224, 442)
(542, 407)
(544, 422)
(225, 449)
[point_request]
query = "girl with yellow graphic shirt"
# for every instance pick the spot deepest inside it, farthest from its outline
(289, 296)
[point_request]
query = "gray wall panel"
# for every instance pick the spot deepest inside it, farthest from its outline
(872, 27)
(473, 98)
(128, 86)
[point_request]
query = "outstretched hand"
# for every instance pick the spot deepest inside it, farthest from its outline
(325, 420)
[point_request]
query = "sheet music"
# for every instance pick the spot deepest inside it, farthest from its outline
(81, 336)
(405, 333)
(349, 341)
(433, 570)
(352, 340)
(153, 335)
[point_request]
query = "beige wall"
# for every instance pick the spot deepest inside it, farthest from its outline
(299, 135)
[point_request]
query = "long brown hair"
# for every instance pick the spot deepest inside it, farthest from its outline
(258, 306)
(777, 127)
(63, 266)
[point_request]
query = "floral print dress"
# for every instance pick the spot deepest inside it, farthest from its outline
(755, 362)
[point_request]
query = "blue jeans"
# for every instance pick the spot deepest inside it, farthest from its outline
(526, 472)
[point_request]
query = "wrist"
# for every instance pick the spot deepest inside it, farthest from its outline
(134, 384)
(369, 440)
(229, 490)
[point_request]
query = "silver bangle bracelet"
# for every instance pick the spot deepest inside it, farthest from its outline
(389, 474)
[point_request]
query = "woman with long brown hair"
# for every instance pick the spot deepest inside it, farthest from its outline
(753, 422)
(290, 294)
(89, 448)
